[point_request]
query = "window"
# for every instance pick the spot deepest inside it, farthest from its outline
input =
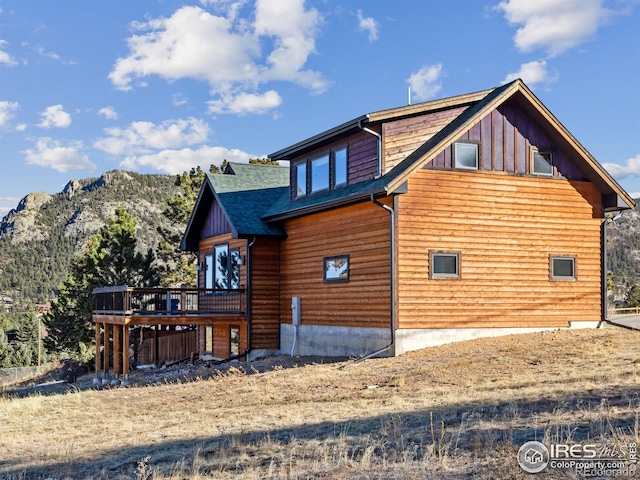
(234, 341)
(444, 265)
(301, 179)
(465, 155)
(223, 268)
(320, 173)
(336, 269)
(541, 162)
(208, 340)
(208, 271)
(563, 268)
(340, 167)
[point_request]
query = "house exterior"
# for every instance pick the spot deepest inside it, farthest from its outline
(469, 216)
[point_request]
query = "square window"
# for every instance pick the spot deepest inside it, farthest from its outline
(465, 155)
(340, 167)
(320, 173)
(336, 269)
(541, 162)
(563, 268)
(301, 179)
(444, 265)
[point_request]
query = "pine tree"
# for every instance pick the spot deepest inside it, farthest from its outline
(110, 259)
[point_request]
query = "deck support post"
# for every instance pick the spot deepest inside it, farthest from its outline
(125, 355)
(98, 353)
(116, 353)
(106, 352)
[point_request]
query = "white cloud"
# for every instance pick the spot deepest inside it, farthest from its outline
(631, 168)
(425, 82)
(244, 103)
(532, 73)
(145, 137)
(554, 25)
(55, 116)
(227, 52)
(6, 111)
(369, 25)
(53, 154)
(176, 161)
(5, 58)
(109, 113)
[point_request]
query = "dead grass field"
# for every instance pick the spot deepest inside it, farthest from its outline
(456, 411)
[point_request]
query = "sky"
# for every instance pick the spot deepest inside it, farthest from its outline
(159, 86)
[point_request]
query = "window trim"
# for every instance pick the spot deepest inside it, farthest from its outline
(444, 276)
(555, 278)
(542, 151)
(325, 264)
(455, 154)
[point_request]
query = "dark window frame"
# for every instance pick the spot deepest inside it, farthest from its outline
(478, 154)
(551, 160)
(307, 163)
(433, 275)
(563, 278)
(325, 264)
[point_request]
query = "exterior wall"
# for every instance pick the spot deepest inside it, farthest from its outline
(401, 137)
(216, 222)
(265, 294)
(362, 159)
(333, 341)
(504, 228)
(362, 232)
(506, 136)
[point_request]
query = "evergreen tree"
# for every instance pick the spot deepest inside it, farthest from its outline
(633, 296)
(178, 267)
(263, 161)
(110, 259)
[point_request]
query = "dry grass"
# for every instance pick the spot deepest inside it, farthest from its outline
(456, 411)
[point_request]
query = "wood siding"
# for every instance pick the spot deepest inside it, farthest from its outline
(504, 228)
(360, 231)
(506, 137)
(362, 159)
(265, 294)
(216, 222)
(401, 137)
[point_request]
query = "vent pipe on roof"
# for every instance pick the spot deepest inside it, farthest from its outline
(379, 137)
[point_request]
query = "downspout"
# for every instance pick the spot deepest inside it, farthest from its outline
(391, 280)
(379, 137)
(605, 261)
(249, 348)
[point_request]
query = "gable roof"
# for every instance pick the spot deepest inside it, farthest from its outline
(479, 105)
(244, 193)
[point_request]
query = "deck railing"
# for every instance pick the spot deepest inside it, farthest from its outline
(624, 311)
(123, 300)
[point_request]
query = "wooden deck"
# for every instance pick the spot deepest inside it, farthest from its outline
(117, 309)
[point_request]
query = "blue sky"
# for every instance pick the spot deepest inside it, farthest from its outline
(163, 85)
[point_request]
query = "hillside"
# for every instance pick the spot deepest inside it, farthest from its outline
(41, 235)
(456, 411)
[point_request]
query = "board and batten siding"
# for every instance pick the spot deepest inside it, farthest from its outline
(360, 231)
(504, 227)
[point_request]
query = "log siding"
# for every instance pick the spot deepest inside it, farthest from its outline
(505, 228)
(360, 231)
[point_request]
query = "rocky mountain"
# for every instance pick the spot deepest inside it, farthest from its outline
(39, 238)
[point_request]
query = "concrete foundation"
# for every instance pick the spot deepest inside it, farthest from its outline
(332, 341)
(414, 339)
